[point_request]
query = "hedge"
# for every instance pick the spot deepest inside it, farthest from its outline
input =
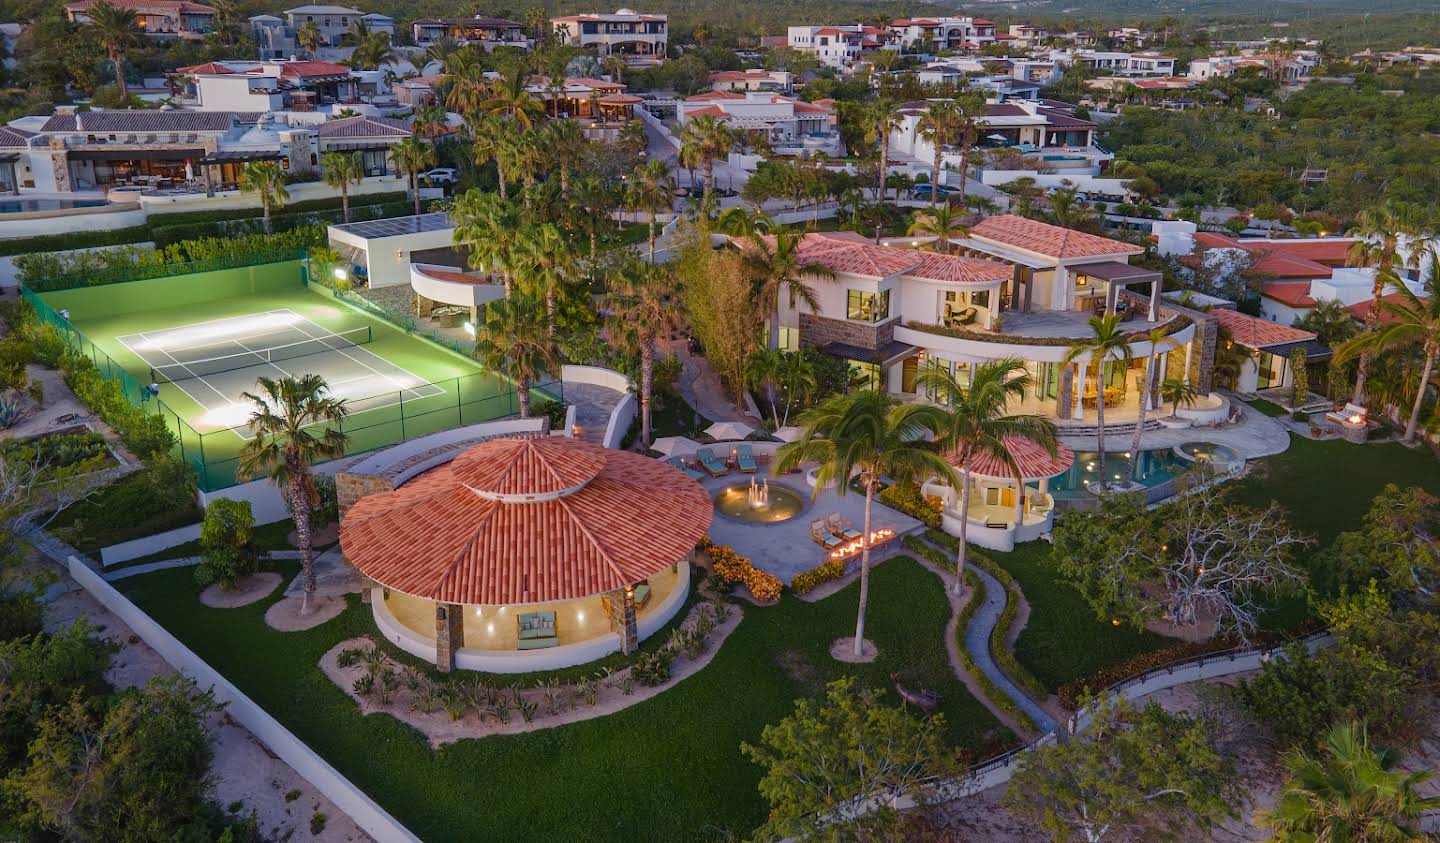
(168, 234)
(730, 568)
(906, 498)
(807, 581)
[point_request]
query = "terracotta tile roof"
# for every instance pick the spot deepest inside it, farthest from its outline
(434, 538)
(528, 466)
(308, 69)
(1329, 252)
(1050, 240)
(707, 111)
(1254, 332)
(150, 6)
(1278, 265)
(1361, 310)
(715, 95)
(1292, 293)
(209, 68)
(1035, 462)
(848, 252)
(1278, 258)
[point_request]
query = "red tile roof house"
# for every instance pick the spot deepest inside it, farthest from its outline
(525, 553)
(157, 18)
(1014, 288)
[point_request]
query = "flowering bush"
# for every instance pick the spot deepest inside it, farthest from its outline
(906, 498)
(730, 567)
(806, 581)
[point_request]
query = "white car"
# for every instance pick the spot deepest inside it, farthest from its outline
(442, 175)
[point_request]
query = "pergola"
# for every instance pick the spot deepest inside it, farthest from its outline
(533, 533)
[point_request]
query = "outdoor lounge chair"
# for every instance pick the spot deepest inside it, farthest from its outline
(745, 459)
(679, 463)
(642, 594)
(823, 537)
(840, 527)
(712, 466)
(536, 631)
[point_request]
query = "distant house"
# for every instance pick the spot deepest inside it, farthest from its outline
(950, 33)
(157, 18)
(334, 21)
(792, 126)
(841, 47)
(774, 81)
(486, 32)
(640, 38)
(270, 85)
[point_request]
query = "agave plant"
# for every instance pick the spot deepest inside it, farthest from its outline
(10, 413)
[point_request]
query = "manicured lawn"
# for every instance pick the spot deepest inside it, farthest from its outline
(666, 769)
(1063, 640)
(267, 536)
(1269, 408)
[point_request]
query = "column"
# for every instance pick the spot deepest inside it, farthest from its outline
(622, 618)
(449, 635)
(1079, 391)
(1155, 300)
(423, 306)
(1064, 393)
(1189, 354)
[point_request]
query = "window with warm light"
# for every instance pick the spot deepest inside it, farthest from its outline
(861, 306)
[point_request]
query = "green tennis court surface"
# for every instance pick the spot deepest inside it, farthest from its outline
(204, 351)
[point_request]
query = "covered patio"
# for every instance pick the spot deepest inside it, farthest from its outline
(1004, 511)
(528, 553)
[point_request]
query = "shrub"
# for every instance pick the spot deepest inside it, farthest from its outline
(806, 581)
(732, 568)
(21, 615)
(227, 543)
(10, 413)
(650, 669)
(906, 498)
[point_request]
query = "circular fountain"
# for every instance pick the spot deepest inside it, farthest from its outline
(759, 502)
(1207, 452)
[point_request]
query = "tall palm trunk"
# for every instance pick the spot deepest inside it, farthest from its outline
(964, 169)
(300, 507)
(345, 201)
(652, 236)
(647, 377)
(415, 188)
(1431, 352)
(550, 310)
(709, 176)
(1099, 415)
(265, 213)
(958, 586)
(935, 173)
(522, 391)
(500, 177)
(1372, 318)
(864, 570)
(117, 59)
(884, 166)
(565, 177)
(1140, 418)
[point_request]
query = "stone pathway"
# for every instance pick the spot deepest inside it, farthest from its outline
(977, 644)
(700, 386)
(593, 405)
(1255, 435)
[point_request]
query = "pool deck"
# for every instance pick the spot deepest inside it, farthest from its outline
(786, 549)
(1255, 435)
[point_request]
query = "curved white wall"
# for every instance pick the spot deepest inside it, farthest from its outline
(452, 292)
(595, 376)
(984, 350)
(525, 661)
(66, 222)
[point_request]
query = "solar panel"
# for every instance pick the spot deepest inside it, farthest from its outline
(398, 226)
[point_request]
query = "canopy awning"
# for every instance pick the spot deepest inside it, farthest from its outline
(1116, 272)
(1314, 349)
(883, 356)
(135, 154)
(354, 146)
(226, 156)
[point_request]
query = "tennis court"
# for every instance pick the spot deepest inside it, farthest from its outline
(204, 338)
(217, 361)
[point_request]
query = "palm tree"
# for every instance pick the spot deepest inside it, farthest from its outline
(266, 180)
(488, 226)
(1108, 342)
(1067, 210)
(545, 264)
(942, 222)
(1175, 392)
(508, 96)
(464, 74)
(516, 344)
(412, 155)
(865, 435)
(651, 189)
(971, 107)
(1157, 337)
(1354, 792)
(309, 38)
(1380, 231)
(1331, 322)
(1408, 321)
(709, 139)
(118, 29)
(744, 223)
(428, 121)
(441, 51)
(286, 447)
(881, 116)
(775, 264)
(796, 373)
(977, 425)
(492, 143)
(762, 371)
(939, 125)
(632, 137)
(643, 301)
(565, 142)
(614, 66)
(592, 199)
(372, 53)
(340, 170)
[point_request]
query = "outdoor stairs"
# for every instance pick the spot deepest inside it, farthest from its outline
(1110, 429)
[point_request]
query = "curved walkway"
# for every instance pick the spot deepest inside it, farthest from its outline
(977, 644)
(1255, 435)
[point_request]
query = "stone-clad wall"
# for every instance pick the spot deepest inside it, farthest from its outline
(820, 331)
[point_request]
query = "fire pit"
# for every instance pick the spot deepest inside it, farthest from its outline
(1355, 428)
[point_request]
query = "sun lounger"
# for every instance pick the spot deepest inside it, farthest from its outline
(838, 527)
(823, 537)
(745, 459)
(1341, 416)
(714, 467)
(690, 472)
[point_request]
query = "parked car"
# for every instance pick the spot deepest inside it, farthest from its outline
(922, 191)
(442, 176)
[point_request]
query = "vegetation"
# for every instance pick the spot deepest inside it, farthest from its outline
(228, 544)
(517, 343)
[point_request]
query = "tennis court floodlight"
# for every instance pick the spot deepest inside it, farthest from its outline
(65, 313)
(469, 328)
(341, 274)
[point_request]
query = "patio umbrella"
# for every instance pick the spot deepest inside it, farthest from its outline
(670, 445)
(729, 430)
(789, 433)
(996, 137)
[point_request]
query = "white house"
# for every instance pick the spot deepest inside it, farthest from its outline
(1066, 141)
(1118, 63)
(640, 38)
(840, 47)
(486, 32)
(949, 33)
(792, 126)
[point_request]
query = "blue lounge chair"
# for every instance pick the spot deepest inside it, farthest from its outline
(745, 459)
(689, 472)
(712, 466)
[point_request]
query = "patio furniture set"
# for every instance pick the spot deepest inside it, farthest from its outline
(538, 630)
(744, 461)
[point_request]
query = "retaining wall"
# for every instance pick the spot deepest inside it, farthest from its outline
(136, 548)
(376, 821)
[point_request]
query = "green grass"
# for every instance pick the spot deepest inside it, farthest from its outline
(1269, 408)
(666, 769)
(1063, 640)
(273, 536)
(121, 511)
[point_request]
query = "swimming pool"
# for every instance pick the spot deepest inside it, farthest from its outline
(13, 205)
(1157, 466)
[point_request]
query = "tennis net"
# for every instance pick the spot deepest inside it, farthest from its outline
(184, 370)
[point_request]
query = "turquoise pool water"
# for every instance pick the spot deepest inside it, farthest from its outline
(24, 206)
(1156, 466)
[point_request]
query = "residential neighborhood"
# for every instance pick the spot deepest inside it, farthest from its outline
(1004, 422)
